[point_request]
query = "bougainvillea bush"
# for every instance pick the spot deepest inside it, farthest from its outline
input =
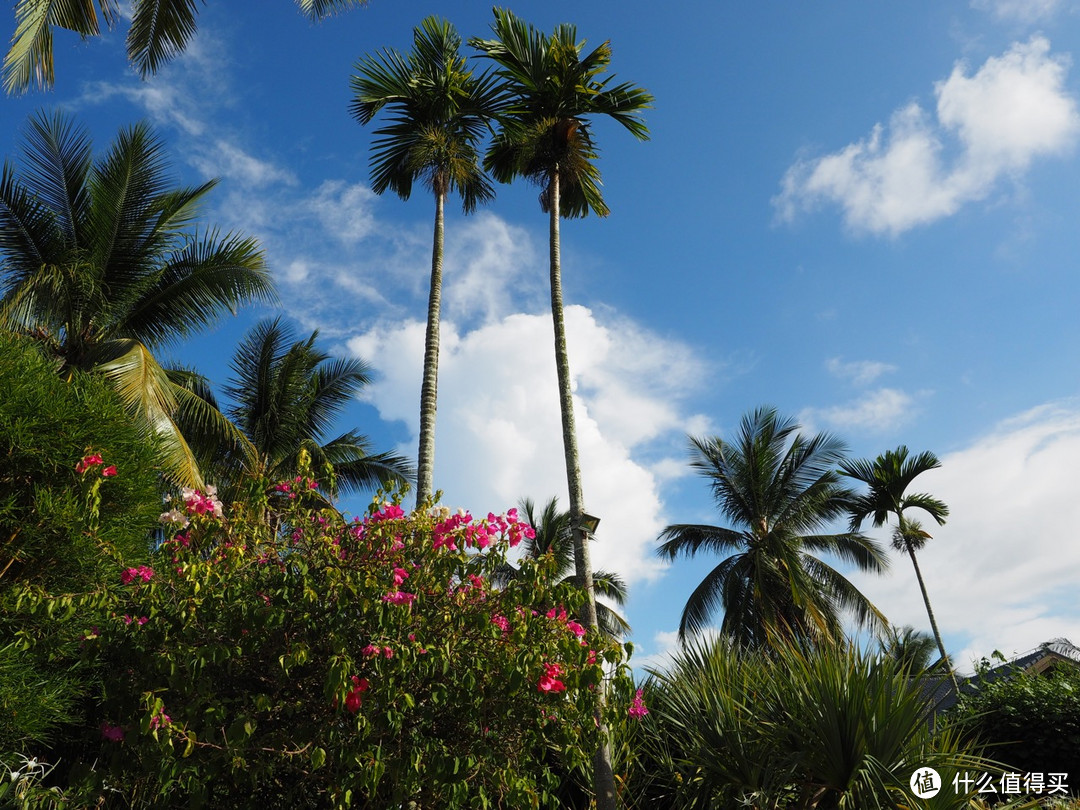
(290, 658)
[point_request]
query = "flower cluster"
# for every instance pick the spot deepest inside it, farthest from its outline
(637, 708)
(201, 502)
(297, 485)
(549, 681)
(399, 598)
(354, 697)
(91, 461)
(143, 572)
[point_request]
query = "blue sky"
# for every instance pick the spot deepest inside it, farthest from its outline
(861, 213)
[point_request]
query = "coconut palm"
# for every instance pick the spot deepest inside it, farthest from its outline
(285, 395)
(102, 262)
(160, 29)
(553, 537)
(439, 112)
(779, 489)
(912, 648)
(889, 476)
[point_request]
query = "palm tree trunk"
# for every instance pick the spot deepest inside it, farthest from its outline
(603, 775)
(933, 621)
(425, 456)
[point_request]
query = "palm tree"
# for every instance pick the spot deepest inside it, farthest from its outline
(553, 537)
(100, 260)
(285, 395)
(545, 136)
(911, 648)
(439, 112)
(160, 29)
(889, 476)
(778, 488)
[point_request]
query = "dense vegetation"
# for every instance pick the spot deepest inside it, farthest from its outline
(164, 644)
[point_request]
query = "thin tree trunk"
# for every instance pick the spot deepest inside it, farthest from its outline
(933, 621)
(603, 775)
(425, 456)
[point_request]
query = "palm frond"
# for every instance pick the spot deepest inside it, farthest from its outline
(160, 29)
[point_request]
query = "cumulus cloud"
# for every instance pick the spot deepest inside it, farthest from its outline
(1002, 573)
(1023, 11)
(498, 436)
(858, 372)
(876, 411)
(920, 168)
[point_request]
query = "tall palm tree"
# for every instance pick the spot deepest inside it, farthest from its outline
(439, 113)
(160, 29)
(102, 262)
(545, 136)
(553, 537)
(889, 476)
(285, 395)
(778, 488)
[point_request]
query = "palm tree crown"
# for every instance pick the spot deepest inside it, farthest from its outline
(553, 537)
(101, 262)
(888, 477)
(778, 488)
(160, 29)
(546, 128)
(285, 396)
(439, 111)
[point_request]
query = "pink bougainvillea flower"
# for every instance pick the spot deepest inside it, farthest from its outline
(143, 572)
(637, 708)
(370, 651)
(549, 681)
(502, 623)
(108, 472)
(400, 575)
(112, 733)
(399, 598)
(575, 628)
(88, 463)
(160, 721)
(354, 698)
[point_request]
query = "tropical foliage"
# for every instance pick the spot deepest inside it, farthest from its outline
(834, 727)
(332, 664)
(101, 260)
(285, 395)
(159, 30)
(439, 112)
(780, 490)
(552, 539)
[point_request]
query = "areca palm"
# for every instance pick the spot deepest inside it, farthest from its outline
(439, 113)
(888, 477)
(553, 537)
(160, 29)
(285, 396)
(779, 489)
(102, 262)
(545, 136)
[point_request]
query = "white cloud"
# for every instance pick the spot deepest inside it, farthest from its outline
(1002, 573)
(916, 170)
(499, 432)
(878, 411)
(1024, 11)
(227, 160)
(858, 372)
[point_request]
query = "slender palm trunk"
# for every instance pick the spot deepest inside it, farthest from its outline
(933, 621)
(429, 390)
(603, 775)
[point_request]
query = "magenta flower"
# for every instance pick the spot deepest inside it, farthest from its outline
(108, 472)
(112, 733)
(399, 598)
(160, 721)
(549, 681)
(88, 463)
(354, 698)
(502, 623)
(637, 708)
